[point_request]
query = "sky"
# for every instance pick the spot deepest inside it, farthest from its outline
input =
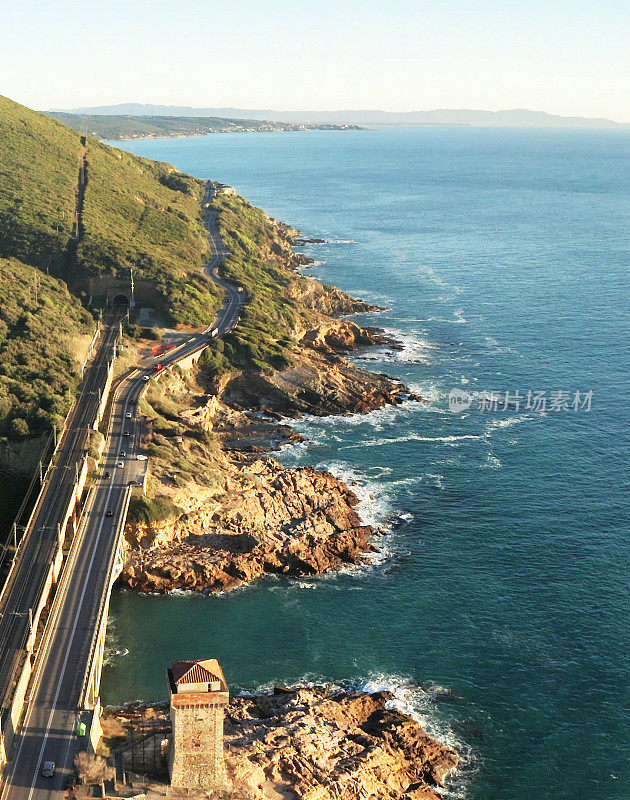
(569, 58)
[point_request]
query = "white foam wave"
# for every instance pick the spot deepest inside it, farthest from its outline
(437, 280)
(412, 437)
(410, 349)
(312, 426)
(374, 506)
(491, 462)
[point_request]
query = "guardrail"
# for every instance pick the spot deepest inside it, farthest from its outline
(39, 475)
(47, 577)
(103, 605)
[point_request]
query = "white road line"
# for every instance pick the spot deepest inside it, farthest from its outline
(86, 583)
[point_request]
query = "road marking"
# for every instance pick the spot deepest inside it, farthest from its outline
(229, 317)
(49, 635)
(67, 656)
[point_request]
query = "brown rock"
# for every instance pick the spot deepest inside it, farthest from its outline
(272, 520)
(319, 743)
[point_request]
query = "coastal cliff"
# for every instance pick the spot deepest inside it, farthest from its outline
(317, 743)
(221, 511)
(268, 520)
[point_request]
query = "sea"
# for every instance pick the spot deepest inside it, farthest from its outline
(497, 607)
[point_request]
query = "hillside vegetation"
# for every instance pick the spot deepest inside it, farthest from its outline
(43, 334)
(39, 167)
(137, 213)
(265, 337)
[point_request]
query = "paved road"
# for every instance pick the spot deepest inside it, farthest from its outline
(63, 656)
(24, 585)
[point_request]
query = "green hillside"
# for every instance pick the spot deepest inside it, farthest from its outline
(264, 338)
(137, 213)
(39, 167)
(44, 332)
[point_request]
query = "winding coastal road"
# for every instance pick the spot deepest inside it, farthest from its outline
(63, 657)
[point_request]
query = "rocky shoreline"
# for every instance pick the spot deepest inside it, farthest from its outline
(260, 517)
(239, 514)
(314, 743)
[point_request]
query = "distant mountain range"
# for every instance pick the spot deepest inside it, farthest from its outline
(517, 118)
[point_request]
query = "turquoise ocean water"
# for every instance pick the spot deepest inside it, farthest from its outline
(498, 607)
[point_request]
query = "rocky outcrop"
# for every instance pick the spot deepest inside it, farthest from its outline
(245, 517)
(317, 743)
(268, 520)
(318, 382)
(327, 299)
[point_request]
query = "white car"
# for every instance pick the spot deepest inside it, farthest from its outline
(128, 414)
(121, 463)
(146, 377)
(48, 769)
(141, 457)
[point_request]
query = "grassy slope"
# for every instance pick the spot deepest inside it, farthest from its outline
(41, 325)
(265, 338)
(138, 213)
(39, 167)
(143, 214)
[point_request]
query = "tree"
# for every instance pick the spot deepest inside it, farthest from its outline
(93, 769)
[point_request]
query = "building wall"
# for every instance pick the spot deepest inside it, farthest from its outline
(196, 753)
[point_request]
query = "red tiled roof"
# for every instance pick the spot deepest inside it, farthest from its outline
(196, 671)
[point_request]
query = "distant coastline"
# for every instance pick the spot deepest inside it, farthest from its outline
(130, 127)
(510, 118)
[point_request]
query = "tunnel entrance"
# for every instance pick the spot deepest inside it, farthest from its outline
(120, 300)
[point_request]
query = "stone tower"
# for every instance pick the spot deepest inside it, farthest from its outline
(199, 695)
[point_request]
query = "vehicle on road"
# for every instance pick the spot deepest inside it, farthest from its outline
(214, 332)
(125, 433)
(48, 769)
(158, 367)
(121, 463)
(107, 474)
(146, 377)
(109, 513)
(140, 457)
(71, 781)
(128, 414)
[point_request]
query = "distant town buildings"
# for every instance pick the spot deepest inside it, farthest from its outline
(199, 695)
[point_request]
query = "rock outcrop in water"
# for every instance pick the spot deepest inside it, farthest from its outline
(268, 519)
(319, 743)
